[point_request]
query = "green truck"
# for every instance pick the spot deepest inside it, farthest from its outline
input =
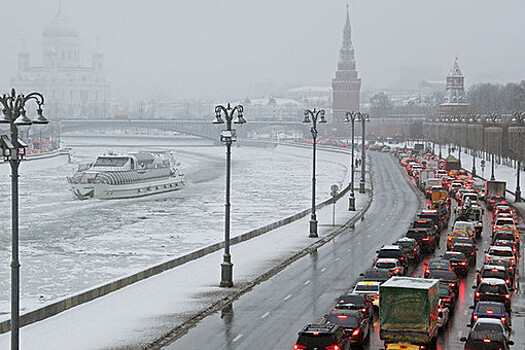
(408, 311)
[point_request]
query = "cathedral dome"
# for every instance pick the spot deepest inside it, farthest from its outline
(60, 26)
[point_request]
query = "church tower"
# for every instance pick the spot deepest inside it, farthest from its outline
(346, 85)
(455, 98)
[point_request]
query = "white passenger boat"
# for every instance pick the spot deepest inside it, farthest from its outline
(137, 174)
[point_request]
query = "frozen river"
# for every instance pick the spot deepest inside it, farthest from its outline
(67, 245)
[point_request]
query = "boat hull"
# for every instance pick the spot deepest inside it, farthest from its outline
(133, 190)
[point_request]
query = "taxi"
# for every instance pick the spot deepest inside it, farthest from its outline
(398, 346)
(370, 290)
(453, 235)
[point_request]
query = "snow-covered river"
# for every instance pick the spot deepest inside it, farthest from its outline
(67, 245)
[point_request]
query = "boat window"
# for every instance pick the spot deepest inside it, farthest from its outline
(111, 161)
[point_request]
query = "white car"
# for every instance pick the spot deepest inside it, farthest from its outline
(370, 290)
(501, 253)
(391, 264)
(443, 315)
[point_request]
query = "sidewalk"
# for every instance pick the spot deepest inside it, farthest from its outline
(143, 312)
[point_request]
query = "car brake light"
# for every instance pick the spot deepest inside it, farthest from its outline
(427, 271)
(503, 319)
(486, 340)
(507, 281)
(356, 332)
(341, 317)
(477, 294)
(475, 317)
(426, 239)
(446, 299)
(489, 312)
(471, 253)
(440, 309)
(333, 347)
(363, 309)
(298, 347)
(512, 261)
(507, 296)
(415, 250)
(451, 284)
(463, 263)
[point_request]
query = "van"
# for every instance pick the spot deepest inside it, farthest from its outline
(465, 226)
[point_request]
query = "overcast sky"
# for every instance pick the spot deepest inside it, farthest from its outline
(219, 48)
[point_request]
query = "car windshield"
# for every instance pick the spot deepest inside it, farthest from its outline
(405, 245)
(366, 288)
(492, 288)
(351, 299)
(501, 222)
(389, 253)
(491, 309)
(348, 321)
(417, 234)
(501, 252)
(385, 265)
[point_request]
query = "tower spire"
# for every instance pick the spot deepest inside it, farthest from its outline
(346, 54)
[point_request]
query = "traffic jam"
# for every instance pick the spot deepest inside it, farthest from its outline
(409, 296)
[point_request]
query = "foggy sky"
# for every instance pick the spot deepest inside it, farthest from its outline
(218, 48)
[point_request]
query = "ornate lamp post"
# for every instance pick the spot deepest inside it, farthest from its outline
(315, 115)
(517, 138)
(495, 139)
(351, 117)
(363, 118)
(228, 136)
(14, 121)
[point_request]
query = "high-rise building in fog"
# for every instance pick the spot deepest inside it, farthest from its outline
(70, 89)
(455, 98)
(346, 85)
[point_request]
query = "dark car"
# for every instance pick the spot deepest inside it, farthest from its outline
(448, 278)
(505, 236)
(411, 248)
(429, 224)
(458, 262)
(506, 243)
(427, 241)
(356, 325)
(490, 309)
(435, 264)
(493, 289)
(447, 297)
(322, 336)
(375, 275)
(493, 200)
(502, 262)
(466, 248)
(495, 271)
(393, 252)
(434, 216)
(487, 334)
(354, 301)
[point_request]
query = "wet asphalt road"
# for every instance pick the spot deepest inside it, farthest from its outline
(270, 316)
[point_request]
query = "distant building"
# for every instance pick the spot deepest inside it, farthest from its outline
(70, 90)
(455, 98)
(346, 85)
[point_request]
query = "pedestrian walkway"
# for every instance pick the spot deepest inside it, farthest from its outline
(143, 312)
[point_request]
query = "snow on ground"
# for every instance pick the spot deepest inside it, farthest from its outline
(67, 245)
(142, 312)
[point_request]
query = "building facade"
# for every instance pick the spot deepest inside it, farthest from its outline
(70, 89)
(455, 99)
(346, 85)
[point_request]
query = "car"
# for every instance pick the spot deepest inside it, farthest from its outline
(445, 277)
(504, 253)
(487, 333)
(506, 243)
(458, 262)
(411, 248)
(429, 224)
(505, 235)
(436, 264)
(495, 271)
(393, 251)
(505, 216)
(434, 215)
(322, 336)
(505, 263)
(465, 226)
(493, 201)
(509, 230)
(493, 289)
(425, 240)
(454, 235)
(466, 248)
(490, 309)
(390, 264)
(373, 275)
(403, 346)
(443, 314)
(501, 223)
(354, 301)
(370, 290)
(447, 297)
(500, 209)
(356, 325)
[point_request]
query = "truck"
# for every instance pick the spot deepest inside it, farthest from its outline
(452, 163)
(408, 311)
(495, 188)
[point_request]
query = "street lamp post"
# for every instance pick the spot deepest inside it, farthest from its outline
(519, 118)
(13, 121)
(363, 118)
(228, 136)
(315, 115)
(493, 120)
(351, 117)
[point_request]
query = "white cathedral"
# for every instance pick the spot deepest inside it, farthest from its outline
(70, 90)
